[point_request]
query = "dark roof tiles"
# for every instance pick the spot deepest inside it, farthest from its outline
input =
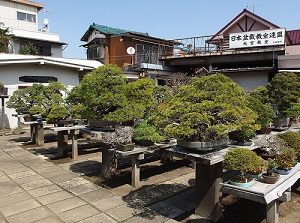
(113, 31)
(294, 36)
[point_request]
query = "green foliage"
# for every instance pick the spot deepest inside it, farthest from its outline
(294, 110)
(1, 85)
(145, 131)
(263, 109)
(5, 38)
(207, 109)
(105, 94)
(271, 166)
(283, 91)
(38, 99)
(286, 159)
(28, 49)
(57, 112)
(242, 135)
(243, 160)
(292, 139)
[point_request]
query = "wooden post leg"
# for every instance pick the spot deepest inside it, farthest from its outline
(208, 179)
(33, 133)
(74, 134)
(272, 212)
(108, 161)
(39, 134)
(62, 143)
(135, 174)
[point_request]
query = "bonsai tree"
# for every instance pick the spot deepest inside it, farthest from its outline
(294, 110)
(244, 161)
(259, 104)
(121, 138)
(57, 112)
(242, 135)
(143, 131)
(286, 159)
(270, 176)
(292, 139)
(283, 91)
(207, 109)
(270, 145)
(105, 94)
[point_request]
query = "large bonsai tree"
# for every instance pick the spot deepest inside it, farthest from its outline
(207, 109)
(283, 91)
(106, 94)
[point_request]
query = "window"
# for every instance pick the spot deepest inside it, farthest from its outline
(146, 54)
(95, 53)
(26, 17)
(38, 79)
(43, 49)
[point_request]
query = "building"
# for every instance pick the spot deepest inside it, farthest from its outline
(136, 53)
(19, 71)
(249, 49)
(21, 17)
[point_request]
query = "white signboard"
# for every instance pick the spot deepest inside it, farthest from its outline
(130, 50)
(270, 37)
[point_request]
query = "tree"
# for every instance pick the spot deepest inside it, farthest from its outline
(283, 91)
(29, 49)
(207, 109)
(5, 39)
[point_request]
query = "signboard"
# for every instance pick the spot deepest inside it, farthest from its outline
(270, 37)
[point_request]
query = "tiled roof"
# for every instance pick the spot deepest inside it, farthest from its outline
(113, 31)
(294, 36)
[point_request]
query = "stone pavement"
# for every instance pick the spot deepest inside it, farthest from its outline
(33, 189)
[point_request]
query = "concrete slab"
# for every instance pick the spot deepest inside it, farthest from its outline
(29, 216)
(49, 220)
(73, 183)
(146, 216)
(95, 195)
(41, 191)
(66, 204)
(59, 176)
(100, 218)
(181, 202)
(9, 187)
(14, 198)
(78, 213)
(36, 184)
(54, 197)
(23, 174)
(109, 203)
(123, 212)
(166, 210)
(83, 188)
(19, 207)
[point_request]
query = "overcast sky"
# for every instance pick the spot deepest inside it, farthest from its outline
(167, 19)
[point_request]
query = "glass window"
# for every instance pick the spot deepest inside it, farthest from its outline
(26, 17)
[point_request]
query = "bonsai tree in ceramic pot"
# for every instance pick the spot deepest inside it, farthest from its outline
(244, 161)
(258, 101)
(285, 160)
(205, 111)
(270, 176)
(242, 136)
(120, 139)
(283, 91)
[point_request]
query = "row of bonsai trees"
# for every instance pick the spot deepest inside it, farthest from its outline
(190, 108)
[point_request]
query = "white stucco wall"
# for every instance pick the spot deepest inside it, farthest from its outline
(250, 80)
(9, 76)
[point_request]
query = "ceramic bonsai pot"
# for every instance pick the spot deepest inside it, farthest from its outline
(125, 147)
(283, 172)
(203, 146)
(264, 130)
(244, 185)
(270, 179)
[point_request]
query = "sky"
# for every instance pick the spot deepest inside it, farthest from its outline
(166, 19)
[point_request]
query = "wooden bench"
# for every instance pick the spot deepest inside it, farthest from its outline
(63, 137)
(36, 131)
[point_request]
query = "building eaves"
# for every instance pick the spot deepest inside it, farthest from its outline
(31, 3)
(294, 36)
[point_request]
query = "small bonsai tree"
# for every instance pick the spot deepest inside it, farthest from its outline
(58, 112)
(244, 161)
(286, 159)
(271, 144)
(244, 134)
(207, 109)
(283, 91)
(144, 131)
(292, 139)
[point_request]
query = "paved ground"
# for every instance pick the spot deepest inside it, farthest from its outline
(36, 189)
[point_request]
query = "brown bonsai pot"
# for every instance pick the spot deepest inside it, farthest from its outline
(264, 130)
(270, 179)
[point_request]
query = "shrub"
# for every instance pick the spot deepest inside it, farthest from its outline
(145, 131)
(292, 139)
(286, 159)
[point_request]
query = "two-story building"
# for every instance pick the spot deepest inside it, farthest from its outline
(19, 71)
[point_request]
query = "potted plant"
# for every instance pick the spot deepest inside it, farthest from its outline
(57, 113)
(242, 160)
(242, 136)
(269, 146)
(201, 114)
(146, 134)
(120, 138)
(285, 161)
(259, 102)
(292, 139)
(270, 176)
(283, 91)
(294, 113)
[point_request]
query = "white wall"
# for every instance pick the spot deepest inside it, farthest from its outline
(250, 80)
(9, 76)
